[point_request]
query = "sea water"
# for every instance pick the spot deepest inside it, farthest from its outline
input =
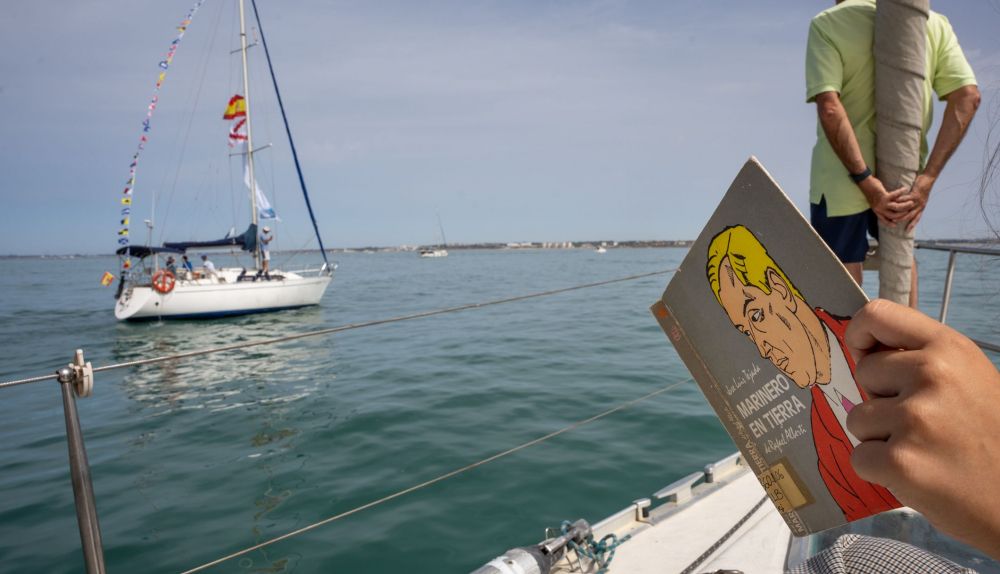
(193, 459)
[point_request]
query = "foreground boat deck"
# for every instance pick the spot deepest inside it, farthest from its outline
(696, 517)
(721, 519)
(758, 545)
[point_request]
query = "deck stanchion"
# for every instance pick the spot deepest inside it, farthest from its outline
(946, 296)
(77, 379)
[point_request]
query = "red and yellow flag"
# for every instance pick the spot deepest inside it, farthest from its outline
(237, 108)
(107, 278)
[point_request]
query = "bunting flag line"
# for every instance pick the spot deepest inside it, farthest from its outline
(162, 66)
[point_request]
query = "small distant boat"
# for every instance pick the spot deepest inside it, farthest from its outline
(149, 290)
(429, 252)
(600, 249)
(441, 251)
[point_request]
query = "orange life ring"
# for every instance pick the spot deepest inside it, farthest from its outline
(163, 281)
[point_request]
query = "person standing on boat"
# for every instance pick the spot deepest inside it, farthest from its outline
(209, 267)
(847, 200)
(807, 345)
(188, 268)
(172, 265)
(265, 251)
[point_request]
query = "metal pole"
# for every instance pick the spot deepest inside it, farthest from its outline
(946, 297)
(83, 488)
(246, 101)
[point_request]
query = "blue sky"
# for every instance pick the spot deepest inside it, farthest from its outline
(516, 121)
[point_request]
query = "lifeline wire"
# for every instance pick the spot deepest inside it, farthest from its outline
(447, 475)
(347, 327)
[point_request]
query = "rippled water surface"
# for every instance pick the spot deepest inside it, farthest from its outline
(196, 458)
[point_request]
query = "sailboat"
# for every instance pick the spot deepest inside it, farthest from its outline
(437, 251)
(149, 290)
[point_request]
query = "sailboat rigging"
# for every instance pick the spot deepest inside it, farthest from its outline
(437, 251)
(180, 291)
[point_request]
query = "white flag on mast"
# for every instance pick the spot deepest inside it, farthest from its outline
(264, 209)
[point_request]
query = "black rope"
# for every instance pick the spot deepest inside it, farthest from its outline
(288, 130)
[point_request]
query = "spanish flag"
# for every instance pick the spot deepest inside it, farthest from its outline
(237, 108)
(107, 278)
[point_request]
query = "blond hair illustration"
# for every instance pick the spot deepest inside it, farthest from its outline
(747, 256)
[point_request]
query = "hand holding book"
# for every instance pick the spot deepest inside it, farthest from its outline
(930, 431)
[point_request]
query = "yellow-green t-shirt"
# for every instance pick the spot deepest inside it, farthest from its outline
(839, 59)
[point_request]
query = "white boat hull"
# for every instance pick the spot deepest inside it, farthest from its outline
(222, 296)
(434, 253)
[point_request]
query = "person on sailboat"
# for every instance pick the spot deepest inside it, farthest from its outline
(847, 197)
(209, 268)
(188, 268)
(172, 265)
(265, 252)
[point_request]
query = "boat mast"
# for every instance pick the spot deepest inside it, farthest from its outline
(246, 99)
(441, 227)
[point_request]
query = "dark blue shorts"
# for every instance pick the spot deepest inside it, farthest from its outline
(847, 235)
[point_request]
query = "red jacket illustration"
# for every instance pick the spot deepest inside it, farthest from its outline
(856, 497)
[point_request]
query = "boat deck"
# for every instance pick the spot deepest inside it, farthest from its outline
(721, 519)
(696, 517)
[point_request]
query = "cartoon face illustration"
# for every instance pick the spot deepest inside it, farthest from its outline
(805, 343)
(763, 304)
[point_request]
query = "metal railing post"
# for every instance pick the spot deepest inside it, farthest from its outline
(77, 378)
(946, 297)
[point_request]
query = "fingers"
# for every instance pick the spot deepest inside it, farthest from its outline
(896, 193)
(873, 419)
(887, 215)
(915, 219)
(902, 205)
(884, 221)
(890, 324)
(868, 460)
(887, 373)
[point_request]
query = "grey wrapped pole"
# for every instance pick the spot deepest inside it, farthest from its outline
(900, 69)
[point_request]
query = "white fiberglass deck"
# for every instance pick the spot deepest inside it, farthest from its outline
(720, 520)
(759, 545)
(695, 516)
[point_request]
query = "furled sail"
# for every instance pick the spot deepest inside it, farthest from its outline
(247, 241)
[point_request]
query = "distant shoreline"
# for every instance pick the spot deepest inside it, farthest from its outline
(526, 245)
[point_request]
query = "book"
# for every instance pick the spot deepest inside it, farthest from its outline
(757, 311)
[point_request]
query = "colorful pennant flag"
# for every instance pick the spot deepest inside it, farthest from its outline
(236, 135)
(237, 108)
(107, 278)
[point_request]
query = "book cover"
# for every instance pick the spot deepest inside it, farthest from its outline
(757, 311)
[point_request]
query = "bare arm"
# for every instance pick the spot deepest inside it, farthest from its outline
(833, 117)
(958, 114)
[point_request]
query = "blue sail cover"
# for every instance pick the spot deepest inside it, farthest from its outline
(246, 241)
(144, 251)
